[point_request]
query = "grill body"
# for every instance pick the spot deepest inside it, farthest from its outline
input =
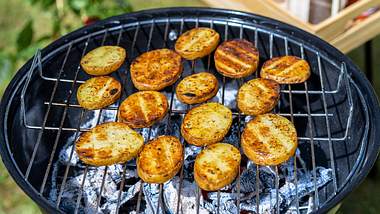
(336, 112)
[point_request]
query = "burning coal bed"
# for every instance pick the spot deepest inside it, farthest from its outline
(304, 183)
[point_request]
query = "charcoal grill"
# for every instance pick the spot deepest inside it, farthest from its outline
(336, 112)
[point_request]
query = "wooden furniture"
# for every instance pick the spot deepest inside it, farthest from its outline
(333, 29)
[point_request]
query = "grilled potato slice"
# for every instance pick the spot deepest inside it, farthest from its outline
(286, 70)
(108, 143)
(143, 109)
(197, 88)
(258, 96)
(269, 139)
(98, 92)
(155, 70)
(160, 159)
(103, 60)
(206, 124)
(216, 166)
(197, 43)
(236, 58)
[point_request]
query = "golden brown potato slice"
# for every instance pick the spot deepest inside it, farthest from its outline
(197, 88)
(216, 166)
(206, 124)
(269, 139)
(236, 58)
(103, 60)
(197, 43)
(155, 70)
(286, 70)
(258, 96)
(98, 92)
(143, 109)
(160, 159)
(108, 143)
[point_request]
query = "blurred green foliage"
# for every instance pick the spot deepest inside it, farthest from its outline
(82, 9)
(63, 16)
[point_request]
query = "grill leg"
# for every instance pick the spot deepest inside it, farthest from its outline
(368, 60)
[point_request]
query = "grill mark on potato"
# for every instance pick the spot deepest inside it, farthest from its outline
(258, 144)
(236, 58)
(108, 143)
(289, 68)
(155, 70)
(160, 159)
(286, 70)
(143, 109)
(238, 50)
(268, 139)
(197, 43)
(276, 63)
(258, 96)
(232, 60)
(261, 87)
(228, 67)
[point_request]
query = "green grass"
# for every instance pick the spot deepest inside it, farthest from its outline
(12, 199)
(365, 199)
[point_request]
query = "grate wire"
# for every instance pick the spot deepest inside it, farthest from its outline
(153, 26)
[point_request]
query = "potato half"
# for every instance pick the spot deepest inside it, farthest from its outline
(269, 139)
(197, 43)
(98, 92)
(103, 60)
(143, 109)
(258, 96)
(286, 70)
(160, 159)
(108, 143)
(155, 70)
(236, 58)
(216, 166)
(206, 124)
(197, 88)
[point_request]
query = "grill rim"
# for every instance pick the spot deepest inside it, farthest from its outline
(360, 82)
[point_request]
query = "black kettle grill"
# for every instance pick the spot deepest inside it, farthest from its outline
(336, 114)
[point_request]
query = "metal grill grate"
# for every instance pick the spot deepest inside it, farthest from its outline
(130, 36)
